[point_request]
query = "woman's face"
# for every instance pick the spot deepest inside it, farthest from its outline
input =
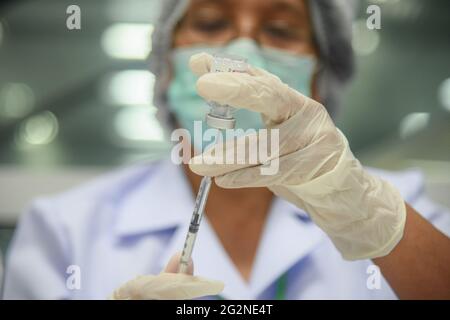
(282, 24)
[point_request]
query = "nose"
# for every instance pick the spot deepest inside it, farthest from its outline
(247, 28)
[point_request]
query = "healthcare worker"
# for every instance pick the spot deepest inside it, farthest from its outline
(323, 226)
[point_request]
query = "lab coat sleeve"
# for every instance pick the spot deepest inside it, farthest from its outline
(36, 260)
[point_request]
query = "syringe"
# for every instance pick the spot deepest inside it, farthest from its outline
(221, 118)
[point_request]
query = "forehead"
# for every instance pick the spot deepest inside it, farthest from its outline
(254, 6)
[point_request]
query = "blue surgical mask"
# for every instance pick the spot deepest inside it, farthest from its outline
(187, 106)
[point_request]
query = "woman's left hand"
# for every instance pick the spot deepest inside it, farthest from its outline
(363, 215)
(168, 285)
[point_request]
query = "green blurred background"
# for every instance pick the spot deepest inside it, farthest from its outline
(74, 104)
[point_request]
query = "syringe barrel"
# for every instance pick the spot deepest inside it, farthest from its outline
(196, 219)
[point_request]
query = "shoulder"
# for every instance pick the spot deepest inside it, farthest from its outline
(92, 199)
(109, 185)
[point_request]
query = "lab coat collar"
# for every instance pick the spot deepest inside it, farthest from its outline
(158, 203)
(288, 237)
(210, 260)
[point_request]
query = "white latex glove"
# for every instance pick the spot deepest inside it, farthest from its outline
(363, 215)
(168, 285)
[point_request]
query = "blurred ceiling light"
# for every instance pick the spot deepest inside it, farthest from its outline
(39, 129)
(138, 123)
(400, 9)
(444, 94)
(16, 101)
(129, 87)
(364, 41)
(413, 123)
(127, 40)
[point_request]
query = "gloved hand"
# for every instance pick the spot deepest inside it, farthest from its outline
(168, 285)
(363, 215)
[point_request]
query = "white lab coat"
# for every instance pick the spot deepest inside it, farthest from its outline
(132, 221)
